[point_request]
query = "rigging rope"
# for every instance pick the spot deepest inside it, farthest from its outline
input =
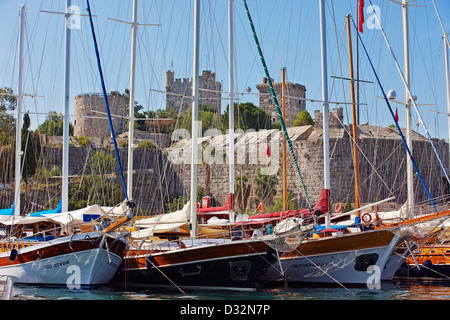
(409, 93)
(269, 81)
(393, 116)
(106, 100)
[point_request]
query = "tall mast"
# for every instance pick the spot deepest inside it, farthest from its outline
(65, 160)
(354, 116)
(19, 114)
(409, 166)
(193, 222)
(326, 148)
(283, 102)
(447, 77)
(231, 103)
(131, 102)
(326, 151)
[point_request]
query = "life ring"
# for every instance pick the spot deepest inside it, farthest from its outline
(338, 207)
(366, 218)
(198, 205)
(261, 208)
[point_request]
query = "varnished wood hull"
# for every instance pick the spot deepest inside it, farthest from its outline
(433, 260)
(79, 260)
(346, 259)
(235, 265)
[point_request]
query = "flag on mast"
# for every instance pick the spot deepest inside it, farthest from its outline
(361, 15)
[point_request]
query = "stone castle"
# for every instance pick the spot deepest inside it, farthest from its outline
(295, 102)
(91, 112)
(179, 92)
(159, 178)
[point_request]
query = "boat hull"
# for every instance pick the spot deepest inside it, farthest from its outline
(81, 260)
(235, 265)
(357, 259)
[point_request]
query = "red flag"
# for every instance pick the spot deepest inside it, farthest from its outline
(361, 15)
(268, 150)
(396, 114)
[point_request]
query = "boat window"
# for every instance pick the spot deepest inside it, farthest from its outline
(239, 270)
(364, 261)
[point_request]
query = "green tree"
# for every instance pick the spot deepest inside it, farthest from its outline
(102, 163)
(247, 116)
(265, 186)
(7, 121)
(278, 206)
(303, 119)
(242, 191)
(53, 125)
(31, 149)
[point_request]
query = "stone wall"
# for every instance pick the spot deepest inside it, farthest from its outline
(93, 105)
(382, 166)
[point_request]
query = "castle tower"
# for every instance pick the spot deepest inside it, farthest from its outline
(209, 91)
(94, 105)
(293, 105)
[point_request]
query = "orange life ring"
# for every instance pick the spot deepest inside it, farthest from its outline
(338, 207)
(261, 208)
(366, 218)
(198, 205)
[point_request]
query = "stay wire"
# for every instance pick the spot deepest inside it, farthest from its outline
(269, 81)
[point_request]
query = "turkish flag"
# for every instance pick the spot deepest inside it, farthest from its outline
(396, 114)
(361, 15)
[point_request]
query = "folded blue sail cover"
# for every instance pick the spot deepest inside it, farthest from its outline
(7, 212)
(58, 209)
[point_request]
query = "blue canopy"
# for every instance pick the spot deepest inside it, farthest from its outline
(7, 212)
(58, 209)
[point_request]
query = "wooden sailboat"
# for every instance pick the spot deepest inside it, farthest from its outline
(74, 260)
(195, 261)
(333, 258)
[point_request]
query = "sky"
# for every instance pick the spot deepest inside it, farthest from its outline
(288, 31)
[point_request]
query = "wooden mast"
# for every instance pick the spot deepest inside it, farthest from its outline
(354, 126)
(285, 205)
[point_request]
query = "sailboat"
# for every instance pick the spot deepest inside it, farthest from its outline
(232, 261)
(351, 258)
(74, 260)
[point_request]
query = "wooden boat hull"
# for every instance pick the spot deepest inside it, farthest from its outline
(234, 265)
(346, 259)
(433, 260)
(79, 260)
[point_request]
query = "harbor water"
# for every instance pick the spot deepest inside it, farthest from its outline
(403, 289)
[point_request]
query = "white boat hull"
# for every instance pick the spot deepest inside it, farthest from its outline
(359, 267)
(74, 268)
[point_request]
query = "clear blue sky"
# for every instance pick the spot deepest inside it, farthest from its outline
(288, 31)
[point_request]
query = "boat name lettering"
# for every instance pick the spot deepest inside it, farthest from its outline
(309, 265)
(192, 273)
(56, 264)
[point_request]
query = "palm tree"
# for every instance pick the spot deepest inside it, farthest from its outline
(242, 192)
(265, 186)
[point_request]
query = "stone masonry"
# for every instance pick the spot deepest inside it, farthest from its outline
(93, 104)
(382, 163)
(294, 105)
(181, 89)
